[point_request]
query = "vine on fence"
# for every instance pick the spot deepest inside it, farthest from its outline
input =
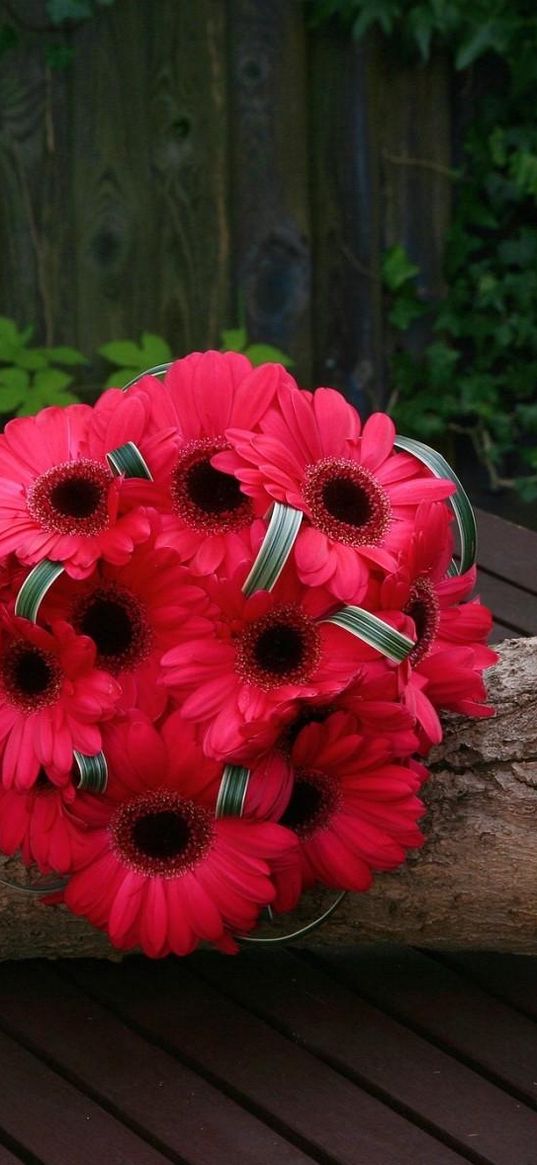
(478, 375)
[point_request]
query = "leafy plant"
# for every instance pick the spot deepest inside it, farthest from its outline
(478, 373)
(131, 359)
(29, 376)
(236, 340)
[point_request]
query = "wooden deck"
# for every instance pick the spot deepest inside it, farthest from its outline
(355, 1056)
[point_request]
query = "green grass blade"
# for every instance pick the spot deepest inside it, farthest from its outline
(459, 501)
(92, 772)
(157, 370)
(127, 460)
(232, 791)
(275, 549)
(374, 631)
(35, 587)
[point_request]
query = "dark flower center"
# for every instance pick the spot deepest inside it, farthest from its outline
(346, 502)
(314, 800)
(307, 714)
(283, 647)
(161, 834)
(31, 677)
(424, 608)
(71, 498)
(205, 498)
(115, 619)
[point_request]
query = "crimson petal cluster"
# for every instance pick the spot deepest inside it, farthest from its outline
(152, 647)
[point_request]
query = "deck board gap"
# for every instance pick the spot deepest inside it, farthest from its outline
(356, 1078)
(91, 1094)
(422, 1030)
(215, 1079)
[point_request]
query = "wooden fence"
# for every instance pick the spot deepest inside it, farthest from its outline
(196, 156)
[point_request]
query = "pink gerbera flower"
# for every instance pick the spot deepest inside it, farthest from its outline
(257, 656)
(155, 869)
(450, 655)
(353, 808)
(205, 516)
(38, 824)
(133, 613)
(52, 698)
(373, 704)
(58, 501)
(359, 496)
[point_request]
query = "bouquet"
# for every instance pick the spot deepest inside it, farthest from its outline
(229, 617)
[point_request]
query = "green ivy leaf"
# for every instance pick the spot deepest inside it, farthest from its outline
(397, 268)
(48, 382)
(405, 311)
(119, 377)
(124, 353)
(484, 39)
(154, 350)
(136, 357)
(63, 355)
(234, 339)
(267, 353)
(30, 358)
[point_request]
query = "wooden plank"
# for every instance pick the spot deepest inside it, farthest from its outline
(315, 1106)
(507, 550)
(33, 179)
(512, 978)
(441, 1005)
(514, 607)
(56, 1123)
(149, 174)
(433, 1089)
(166, 1101)
(346, 208)
(7, 1158)
(269, 174)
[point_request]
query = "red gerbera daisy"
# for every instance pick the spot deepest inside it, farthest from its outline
(372, 702)
(52, 698)
(58, 501)
(450, 653)
(204, 513)
(39, 824)
(353, 808)
(257, 656)
(155, 868)
(358, 494)
(133, 613)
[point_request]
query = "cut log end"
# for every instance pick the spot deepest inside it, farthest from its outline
(472, 885)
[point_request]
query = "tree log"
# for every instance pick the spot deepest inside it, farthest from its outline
(472, 885)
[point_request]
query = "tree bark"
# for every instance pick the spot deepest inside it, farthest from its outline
(473, 884)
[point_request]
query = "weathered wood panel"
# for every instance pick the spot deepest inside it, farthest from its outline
(347, 220)
(269, 174)
(150, 185)
(197, 161)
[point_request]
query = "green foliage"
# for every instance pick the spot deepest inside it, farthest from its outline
(470, 30)
(236, 340)
(132, 359)
(478, 373)
(29, 378)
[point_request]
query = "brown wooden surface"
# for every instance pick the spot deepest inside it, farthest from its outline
(194, 160)
(507, 575)
(343, 1057)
